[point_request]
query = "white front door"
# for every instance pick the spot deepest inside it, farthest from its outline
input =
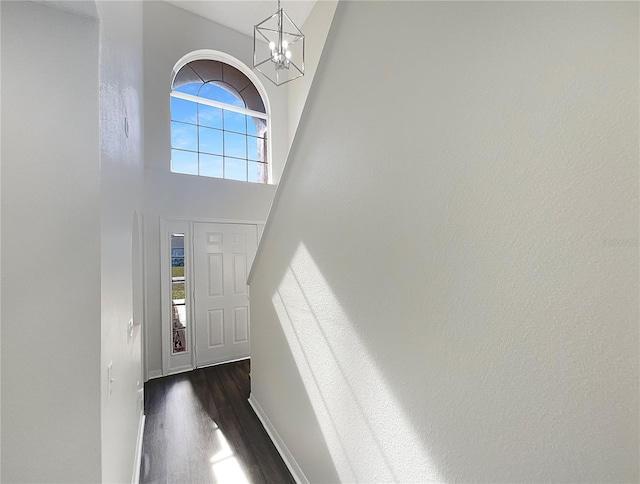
(222, 257)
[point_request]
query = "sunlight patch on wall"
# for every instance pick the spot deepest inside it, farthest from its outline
(367, 434)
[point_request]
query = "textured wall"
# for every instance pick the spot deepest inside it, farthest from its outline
(121, 188)
(447, 289)
(315, 29)
(50, 244)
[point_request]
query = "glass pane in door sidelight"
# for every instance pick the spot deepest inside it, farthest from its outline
(178, 308)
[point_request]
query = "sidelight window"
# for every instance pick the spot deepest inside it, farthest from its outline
(178, 306)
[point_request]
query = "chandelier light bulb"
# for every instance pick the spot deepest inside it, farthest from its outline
(272, 55)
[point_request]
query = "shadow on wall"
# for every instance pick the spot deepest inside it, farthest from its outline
(401, 408)
(451, 311)
(341, 379)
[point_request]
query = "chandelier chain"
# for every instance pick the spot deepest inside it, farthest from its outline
(280, 20)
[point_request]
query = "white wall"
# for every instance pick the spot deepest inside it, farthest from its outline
(315, 30)
(50, 246)
(121, 184)
(169, 34)
(0, 256)
(447, 288)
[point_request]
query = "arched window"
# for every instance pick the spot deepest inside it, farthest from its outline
(218, 123)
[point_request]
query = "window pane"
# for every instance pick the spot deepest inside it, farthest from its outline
(211, 165)
(184, 136)
(191, 88)
(179, 339)
(177, 290)
(218, 93)
(177, 265)
(182, 110)
(235, 145)
(217, 141)
(178, 308)
(257, 172)
(256, 127)
(256, 148)
(209, 116)
(210, 141)
(235, 122)
(184, 162)
(235, 169)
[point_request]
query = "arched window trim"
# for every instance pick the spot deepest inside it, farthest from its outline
(217, 104)
(216, 55)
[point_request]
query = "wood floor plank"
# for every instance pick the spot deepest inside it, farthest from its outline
(200, 428)
(232, 428)
(273, 468)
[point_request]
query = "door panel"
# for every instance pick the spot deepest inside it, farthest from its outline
(215, 276)
(216, 328)
(240, 325)
(240, 273)
(223, 254)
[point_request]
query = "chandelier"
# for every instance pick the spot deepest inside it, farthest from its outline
(278, 48)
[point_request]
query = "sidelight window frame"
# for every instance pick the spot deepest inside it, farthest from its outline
(175, 362)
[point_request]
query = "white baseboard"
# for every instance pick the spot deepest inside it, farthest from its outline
(180, 369)
(135, 477)
(282, 449)
(154, 374)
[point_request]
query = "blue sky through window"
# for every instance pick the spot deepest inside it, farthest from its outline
(223, 95)
(216, 142)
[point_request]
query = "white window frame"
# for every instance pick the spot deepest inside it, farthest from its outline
(215, 55)
(179, 362)
(218, 104)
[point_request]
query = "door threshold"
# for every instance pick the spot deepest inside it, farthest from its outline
(223, 362)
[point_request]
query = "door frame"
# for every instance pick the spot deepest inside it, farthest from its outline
(179, 224)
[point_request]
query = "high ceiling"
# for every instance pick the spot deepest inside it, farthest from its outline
(242, 15)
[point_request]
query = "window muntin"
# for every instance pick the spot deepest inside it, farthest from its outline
(214, 133)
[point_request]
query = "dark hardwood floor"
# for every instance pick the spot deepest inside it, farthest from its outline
(200, 429)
